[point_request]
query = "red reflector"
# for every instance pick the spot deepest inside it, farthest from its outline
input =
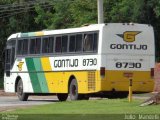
(152, 72)
(128, 74)
(102, 71)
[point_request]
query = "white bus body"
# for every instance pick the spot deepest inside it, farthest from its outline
(123, 52)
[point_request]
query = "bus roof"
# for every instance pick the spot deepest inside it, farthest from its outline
(92, 27)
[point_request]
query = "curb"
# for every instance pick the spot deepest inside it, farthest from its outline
(2, 93)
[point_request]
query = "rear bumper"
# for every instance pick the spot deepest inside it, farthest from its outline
(115, 80)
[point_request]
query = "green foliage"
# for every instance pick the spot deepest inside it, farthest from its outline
(62, 15)
(44, 16)
(128, 11)
(84, 12)
(67, 13)
(1, 83)
(73, 13)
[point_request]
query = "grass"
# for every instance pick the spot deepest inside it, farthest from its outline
(92, 109)
(111, 106)
(1, 83)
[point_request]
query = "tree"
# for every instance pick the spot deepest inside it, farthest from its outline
(68, 13)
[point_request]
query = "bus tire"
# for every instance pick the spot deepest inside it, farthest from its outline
(21, 95)
(73, 90)
(62, 96)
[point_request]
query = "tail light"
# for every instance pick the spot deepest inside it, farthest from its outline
(152, 72)
(102, 71)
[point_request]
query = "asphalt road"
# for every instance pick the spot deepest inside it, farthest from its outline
(9, 103)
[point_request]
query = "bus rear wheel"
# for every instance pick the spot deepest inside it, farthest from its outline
(62, 96)
(21, 95)
(73, 91)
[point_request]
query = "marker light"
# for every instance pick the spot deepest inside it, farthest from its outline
(102, 71)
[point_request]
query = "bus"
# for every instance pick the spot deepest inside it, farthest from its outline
(80, 62)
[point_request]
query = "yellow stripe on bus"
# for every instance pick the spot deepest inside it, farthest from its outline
(48, 75)
(39, 33)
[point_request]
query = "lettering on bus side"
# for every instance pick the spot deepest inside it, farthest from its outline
(128, 65)
(128, 47)
(70, 63)
(90, 62)
(66, 63)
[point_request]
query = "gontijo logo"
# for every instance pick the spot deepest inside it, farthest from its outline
(20, 66)
(129, 36)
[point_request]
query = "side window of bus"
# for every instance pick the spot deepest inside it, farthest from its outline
(13, 56)
(58, 44)
(19, 47)
(35, 45)
(22, 48)
(72, 43)
(25, 47)
(10, 54)
(90, 42)
(48, 43)
(79, 42)
(95, 44)
(7, 59)
(64, 43)
(75, 43)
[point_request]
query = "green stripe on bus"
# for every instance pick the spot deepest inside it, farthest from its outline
(41, 76)
(24, 35)
(30, 34)
(33, 75)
